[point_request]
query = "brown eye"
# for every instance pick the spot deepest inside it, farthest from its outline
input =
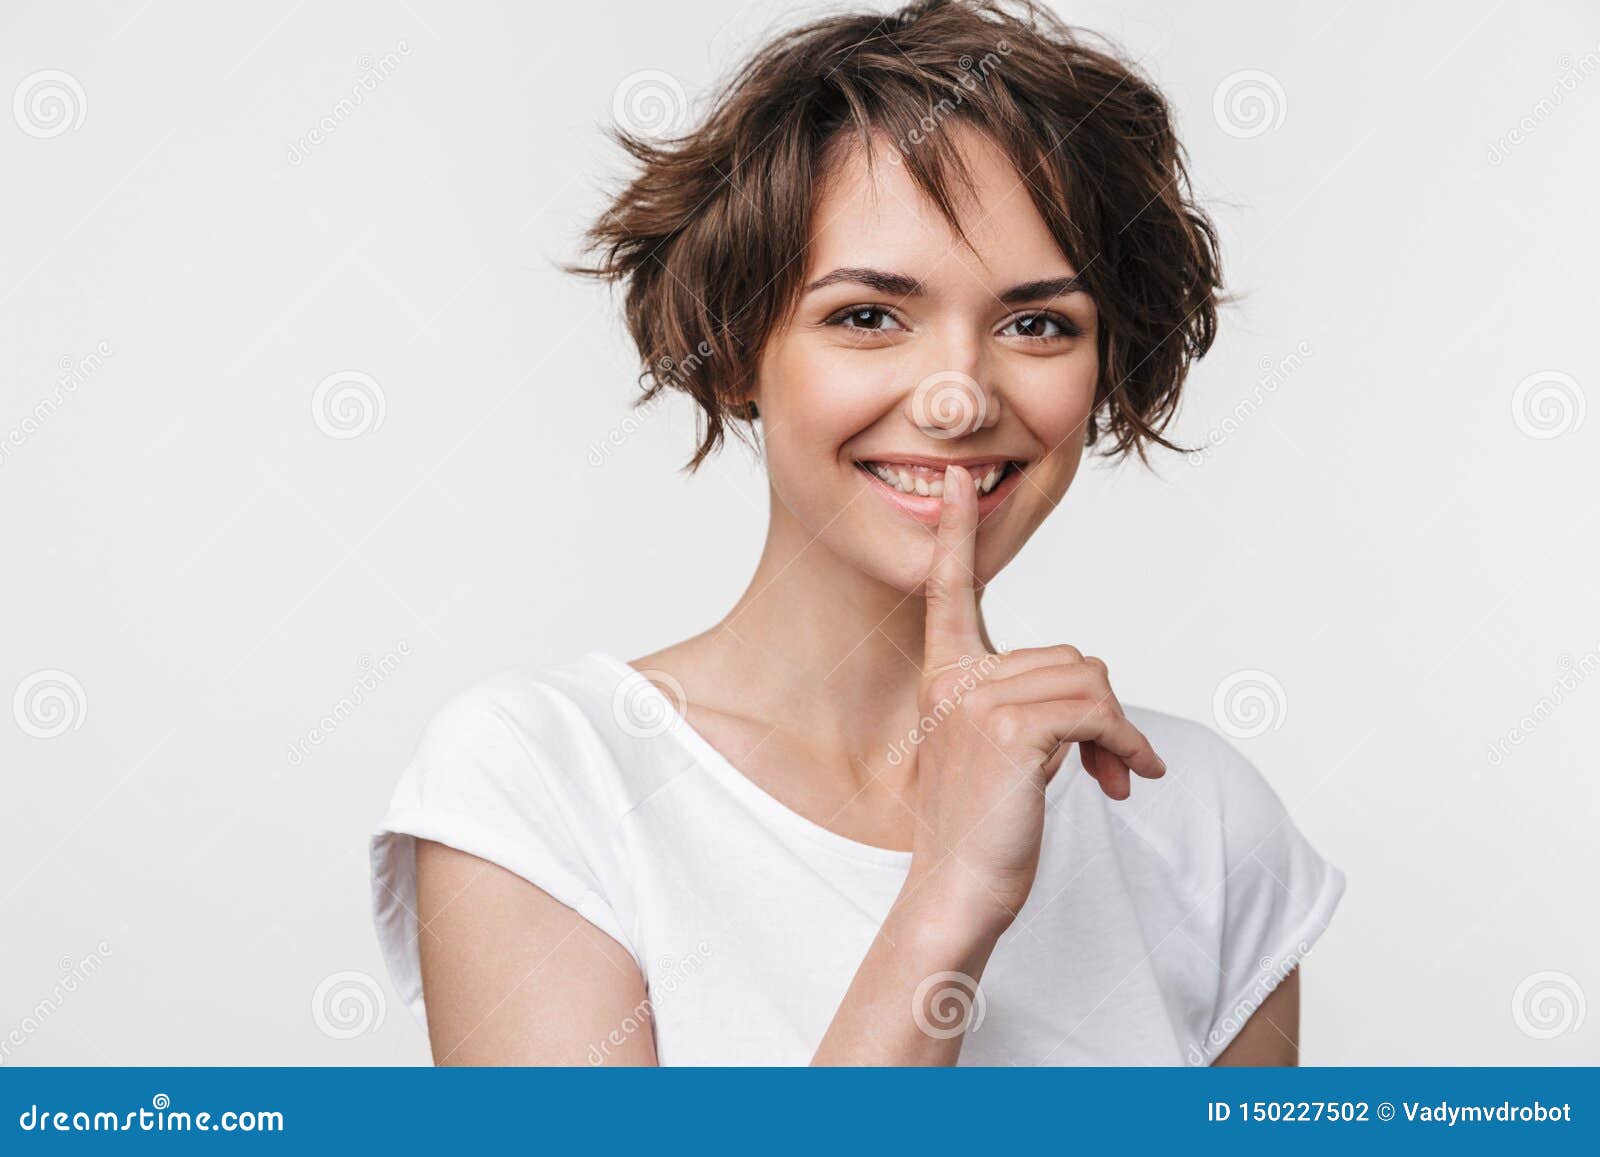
(870, 318)
(1040, 327)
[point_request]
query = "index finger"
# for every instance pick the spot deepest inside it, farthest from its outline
(951, 622)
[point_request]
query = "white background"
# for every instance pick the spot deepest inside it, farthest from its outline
(1383, 532)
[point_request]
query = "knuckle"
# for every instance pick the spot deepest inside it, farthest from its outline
(1067, 652)
(1004, 725)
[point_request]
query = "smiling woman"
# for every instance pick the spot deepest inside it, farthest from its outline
(922, 289)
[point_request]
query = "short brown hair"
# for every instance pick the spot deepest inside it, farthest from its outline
(709, 236)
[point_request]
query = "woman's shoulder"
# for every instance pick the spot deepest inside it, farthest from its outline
(1214, 802)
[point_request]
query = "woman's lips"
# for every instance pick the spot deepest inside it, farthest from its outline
(926, 509)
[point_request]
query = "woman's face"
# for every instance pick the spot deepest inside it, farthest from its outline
(908, 350)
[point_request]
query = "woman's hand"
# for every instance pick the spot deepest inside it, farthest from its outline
(1000, 728)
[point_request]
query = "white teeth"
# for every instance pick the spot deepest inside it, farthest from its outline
(908, 483)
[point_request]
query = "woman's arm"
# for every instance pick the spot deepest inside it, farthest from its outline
(513, 977)
(1272, 1034)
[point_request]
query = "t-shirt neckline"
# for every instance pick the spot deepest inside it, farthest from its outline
(717, 764)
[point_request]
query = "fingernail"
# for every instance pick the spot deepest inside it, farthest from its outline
(949, 475)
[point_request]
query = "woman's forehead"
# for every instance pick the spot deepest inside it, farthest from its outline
(874, 214)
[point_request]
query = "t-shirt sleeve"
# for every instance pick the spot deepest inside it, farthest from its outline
(500, 773)
(1276, 897)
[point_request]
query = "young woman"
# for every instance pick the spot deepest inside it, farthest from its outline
(925, 261)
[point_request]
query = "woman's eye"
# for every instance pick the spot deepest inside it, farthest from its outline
(1040, 326)
(866, 317)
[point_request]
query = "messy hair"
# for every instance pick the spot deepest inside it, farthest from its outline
(709, 236)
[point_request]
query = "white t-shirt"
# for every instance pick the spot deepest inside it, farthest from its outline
(1155, 927)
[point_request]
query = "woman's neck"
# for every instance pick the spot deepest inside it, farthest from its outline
(816, 645)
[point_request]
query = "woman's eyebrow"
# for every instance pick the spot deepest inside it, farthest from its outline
(1042, 290)
(900, 285)
(880, 279)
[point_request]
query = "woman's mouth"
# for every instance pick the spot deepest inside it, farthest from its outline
(917, 488)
